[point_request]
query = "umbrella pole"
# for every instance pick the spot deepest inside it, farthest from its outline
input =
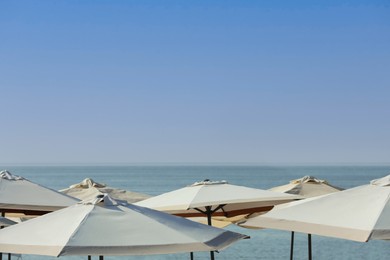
(292, 246)
(3, 215)
(209, 212)
(192, 255)
(309, 244)
(209, 217)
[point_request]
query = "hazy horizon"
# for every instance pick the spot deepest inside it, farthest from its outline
(276, 164)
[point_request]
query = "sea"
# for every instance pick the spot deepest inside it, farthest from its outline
(263, 243)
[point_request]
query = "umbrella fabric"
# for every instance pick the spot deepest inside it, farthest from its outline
(106, 227)
(221, 198)
(18, 194)
(358, 214)
(216, 222)
(307, 186)
(89, 189)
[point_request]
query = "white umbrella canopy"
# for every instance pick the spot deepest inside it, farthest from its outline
(360, 214)
(89, 189)
(218, 198)
(107, 227)
(307, 186)
(19, 195)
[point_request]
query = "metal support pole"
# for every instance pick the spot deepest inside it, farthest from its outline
(309, 244)
(192, 255)
(292, 246)
(3, 215)
(209, 212)
(101, 257)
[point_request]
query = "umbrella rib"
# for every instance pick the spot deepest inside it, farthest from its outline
(219, 207)
(377, 219)
(223, 210)
(75, 231)
(201, 211)
(212, 211)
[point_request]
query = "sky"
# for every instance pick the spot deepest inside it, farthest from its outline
(263, 82)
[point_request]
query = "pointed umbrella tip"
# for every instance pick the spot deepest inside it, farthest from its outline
(209, 182)
(9, 176)
(101, 199)
(385, 181)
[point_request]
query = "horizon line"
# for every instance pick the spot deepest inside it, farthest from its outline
(195, 164)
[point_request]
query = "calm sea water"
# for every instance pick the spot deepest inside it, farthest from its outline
(264, 244)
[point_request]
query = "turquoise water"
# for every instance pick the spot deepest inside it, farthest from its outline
(264, 244)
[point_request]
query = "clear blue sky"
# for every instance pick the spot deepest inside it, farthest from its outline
(195, 81)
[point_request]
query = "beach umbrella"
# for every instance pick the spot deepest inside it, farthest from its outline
(108, 227)
(25, 198)
(216, 198)
(359, 214)
(89, 189)
(19, 195)
(307, 186)
(5, 222)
